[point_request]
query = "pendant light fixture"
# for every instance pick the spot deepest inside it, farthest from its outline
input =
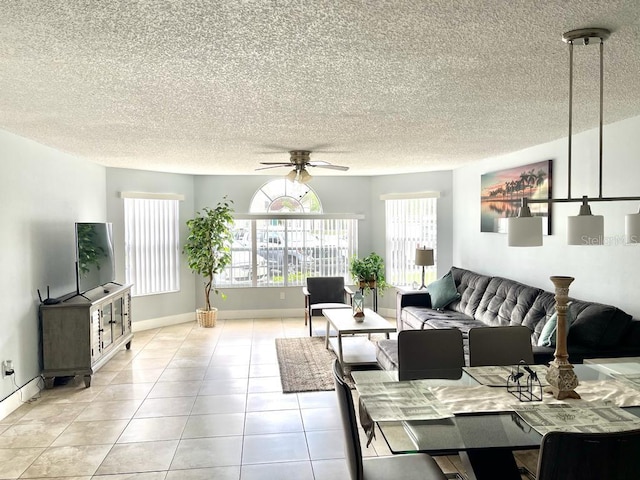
(524, 230)
(632, 227)
(584, 228)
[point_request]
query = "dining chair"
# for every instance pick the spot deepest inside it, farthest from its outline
(589, 456)
(506, 345)
(430, 353)
(415, 466)
(322, 293)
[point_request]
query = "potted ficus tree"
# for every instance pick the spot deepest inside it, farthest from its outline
(368, 272)
(208, 250)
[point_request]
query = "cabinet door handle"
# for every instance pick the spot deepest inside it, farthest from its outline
(101, 330)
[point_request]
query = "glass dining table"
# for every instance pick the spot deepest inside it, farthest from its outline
(484, 440)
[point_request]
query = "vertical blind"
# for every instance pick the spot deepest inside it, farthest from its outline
(410, 223)
(152, 253)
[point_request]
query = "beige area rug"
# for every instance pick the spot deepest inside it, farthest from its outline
(305, 364)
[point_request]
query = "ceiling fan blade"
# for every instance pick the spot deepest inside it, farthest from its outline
(274, 166)
(330, 166)
(284, 164)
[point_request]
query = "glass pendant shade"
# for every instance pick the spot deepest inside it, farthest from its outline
(291, 176)
(585, 228)
(304, 176)
(300, 176)
(524, 231)
(632, 227)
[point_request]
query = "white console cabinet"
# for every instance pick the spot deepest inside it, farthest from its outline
(81, 333)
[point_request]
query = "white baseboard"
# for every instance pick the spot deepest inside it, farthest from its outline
(271, 313)
(141, 325)
(232, 315)
(20, 396)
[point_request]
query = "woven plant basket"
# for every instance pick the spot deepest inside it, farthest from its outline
(207, 318)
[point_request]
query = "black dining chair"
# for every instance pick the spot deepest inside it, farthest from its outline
(415, 466)
(590, 456)
(500, 346)
(430, 353)
(323, 293)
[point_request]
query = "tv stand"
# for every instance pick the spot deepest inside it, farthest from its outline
(82, 332)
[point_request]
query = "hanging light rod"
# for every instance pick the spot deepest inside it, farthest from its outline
(585, 228)
(579, 199)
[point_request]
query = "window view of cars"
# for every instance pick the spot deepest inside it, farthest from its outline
(286, 253)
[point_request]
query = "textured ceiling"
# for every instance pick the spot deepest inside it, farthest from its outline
(215, 87)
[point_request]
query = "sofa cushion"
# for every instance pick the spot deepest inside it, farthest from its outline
(598, 325)
(443, 291)
(387, 354)
(506, 302)
(470, 286)
(455, 320)
(549, 331)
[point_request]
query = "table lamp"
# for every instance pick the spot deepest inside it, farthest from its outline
(424, 258)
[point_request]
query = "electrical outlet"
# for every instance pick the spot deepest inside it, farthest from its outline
(7, 368)
(281, 295)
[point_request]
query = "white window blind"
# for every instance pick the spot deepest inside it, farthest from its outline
(152, 256)
(410, 223)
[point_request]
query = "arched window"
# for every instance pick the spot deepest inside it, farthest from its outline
(283, 196)
(286, 237)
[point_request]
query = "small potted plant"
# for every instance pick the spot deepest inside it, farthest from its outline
(208, 251)
(368, 272)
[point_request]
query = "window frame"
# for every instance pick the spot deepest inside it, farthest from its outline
(156, 258)
(413, 228)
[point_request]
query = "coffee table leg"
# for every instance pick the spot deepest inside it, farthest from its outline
(340, 350)
(326, 337)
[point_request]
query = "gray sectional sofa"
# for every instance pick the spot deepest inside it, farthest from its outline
(597, 331)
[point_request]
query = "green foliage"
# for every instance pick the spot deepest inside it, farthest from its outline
(208, 246)
(89, 251)
(369, 269)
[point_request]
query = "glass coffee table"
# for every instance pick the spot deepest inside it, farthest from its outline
(350, 344)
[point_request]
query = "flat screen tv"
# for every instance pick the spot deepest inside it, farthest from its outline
(95, 264)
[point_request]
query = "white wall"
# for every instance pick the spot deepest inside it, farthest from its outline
(43, 192)
(607, 274)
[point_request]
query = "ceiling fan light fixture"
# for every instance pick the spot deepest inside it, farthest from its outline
(304, 176)
(300, 159)
(292, 175)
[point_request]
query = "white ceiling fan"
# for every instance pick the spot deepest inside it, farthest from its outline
(300, 160)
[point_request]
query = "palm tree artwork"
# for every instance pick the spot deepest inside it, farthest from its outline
(502, 192)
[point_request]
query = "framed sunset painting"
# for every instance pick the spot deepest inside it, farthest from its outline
(502, 193)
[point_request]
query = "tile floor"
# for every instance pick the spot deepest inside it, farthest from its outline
(185, 403)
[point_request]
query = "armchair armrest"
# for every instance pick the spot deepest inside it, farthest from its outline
(349, 293)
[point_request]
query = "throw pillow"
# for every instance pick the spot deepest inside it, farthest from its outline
(548, 334)
(443, 291)
(548, 331)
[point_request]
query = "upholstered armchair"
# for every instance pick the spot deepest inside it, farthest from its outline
(324, 292)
